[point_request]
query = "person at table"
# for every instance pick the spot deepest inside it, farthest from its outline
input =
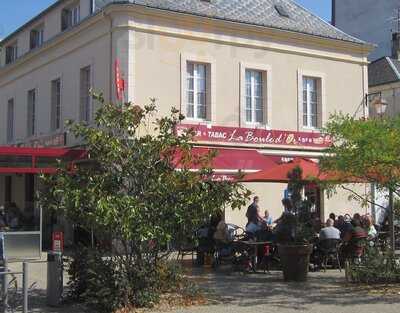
(369, 227)
(329, 231)
(354, 240)
(252, 213)
(346, 228)
(267, 218)
(255, 221)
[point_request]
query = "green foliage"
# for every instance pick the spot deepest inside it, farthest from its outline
(367, 150)
(130, 189)
(296, 227)
(375, 267)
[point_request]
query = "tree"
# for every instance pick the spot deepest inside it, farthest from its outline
(364, 151)
(130, 189)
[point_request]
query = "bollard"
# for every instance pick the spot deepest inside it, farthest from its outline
(54, 279)
(4, 287)
(25, 276)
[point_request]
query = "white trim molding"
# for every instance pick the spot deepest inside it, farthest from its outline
(267, 94)
(211, 86)
(322, 105)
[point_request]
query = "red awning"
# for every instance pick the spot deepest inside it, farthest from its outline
(21, 160)
(279, 173)
(233, 160)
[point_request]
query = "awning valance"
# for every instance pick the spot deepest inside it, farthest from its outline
(21, 160)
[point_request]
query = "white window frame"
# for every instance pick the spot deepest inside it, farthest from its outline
(74, 15)
(266, 71)
(210, 86)
(31, 114)
(56, 108)
(14, 47)
(39, 29)
(196, 77)
(321, 98)
(10, 120)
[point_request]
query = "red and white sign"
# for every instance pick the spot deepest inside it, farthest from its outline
(205, 133)
(58, 242)
(119, 82)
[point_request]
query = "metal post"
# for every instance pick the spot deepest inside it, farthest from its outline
(4, 288)
(391, 221)
(25, 276)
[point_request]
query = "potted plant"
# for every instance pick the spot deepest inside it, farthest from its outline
(295, 231)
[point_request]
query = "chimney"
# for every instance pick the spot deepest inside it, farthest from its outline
(396, 46)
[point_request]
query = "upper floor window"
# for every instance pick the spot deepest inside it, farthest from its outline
(55, 110)
(10, 120)
(254, 96)
(70, 17)
(36, 37)
(31, 113)
(311, 96)
(196, 91)
(85, 99)
(11, 53)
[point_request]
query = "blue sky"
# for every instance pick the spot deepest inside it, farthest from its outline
(15, 13)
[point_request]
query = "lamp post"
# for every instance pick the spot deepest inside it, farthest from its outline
(380, 105)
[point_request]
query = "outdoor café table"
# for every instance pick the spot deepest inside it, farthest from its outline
(255, 245)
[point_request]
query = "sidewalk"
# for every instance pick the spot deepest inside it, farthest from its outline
(37, 295)
(323, 293)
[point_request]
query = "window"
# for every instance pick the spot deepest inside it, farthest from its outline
(70, 17)
(31, 127)
(254, 97)
(36, 37)
(310, 102)
(196, 91)
(85, 85)
(55, 119)
(11, 53)
(10, 121)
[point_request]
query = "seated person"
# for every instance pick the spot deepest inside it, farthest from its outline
(267, 218)
(222, 234)
(329, 232)
(369, 227)
(355, 240)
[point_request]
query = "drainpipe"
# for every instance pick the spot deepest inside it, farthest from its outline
(111, 54)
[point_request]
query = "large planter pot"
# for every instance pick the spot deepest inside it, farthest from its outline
(295, 261)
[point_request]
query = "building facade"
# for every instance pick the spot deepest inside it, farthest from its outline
(370, 20)
(272, 76)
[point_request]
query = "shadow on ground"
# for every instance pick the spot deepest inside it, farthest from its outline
(324, 289)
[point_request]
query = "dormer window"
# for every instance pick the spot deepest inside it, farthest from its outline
(37, 37)
(11, 53)
(70, 17)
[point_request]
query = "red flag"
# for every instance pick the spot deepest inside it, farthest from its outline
(119, 82)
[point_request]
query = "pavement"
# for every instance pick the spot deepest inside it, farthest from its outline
(325, 292)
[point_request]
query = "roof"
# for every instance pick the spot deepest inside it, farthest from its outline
(266, 13)
(383, 71)
(255, 12)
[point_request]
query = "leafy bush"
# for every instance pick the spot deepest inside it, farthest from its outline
(96, 281)
(375, 267)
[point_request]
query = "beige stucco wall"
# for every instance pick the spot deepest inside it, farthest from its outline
(152, 47)
(88, 47)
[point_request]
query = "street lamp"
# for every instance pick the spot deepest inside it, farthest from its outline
(380, 105)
